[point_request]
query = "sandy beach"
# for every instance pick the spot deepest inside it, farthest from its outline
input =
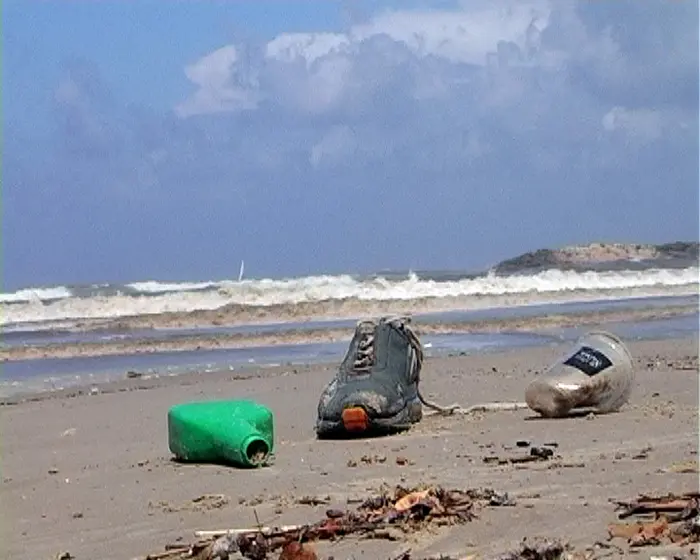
(89, 472)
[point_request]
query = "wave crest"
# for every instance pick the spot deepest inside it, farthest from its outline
(154, 298)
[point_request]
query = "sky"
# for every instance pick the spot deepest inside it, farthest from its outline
(171, 140)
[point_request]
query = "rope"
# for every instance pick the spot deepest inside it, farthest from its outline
(365, 360)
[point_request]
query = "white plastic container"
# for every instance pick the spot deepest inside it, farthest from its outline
(596, 374)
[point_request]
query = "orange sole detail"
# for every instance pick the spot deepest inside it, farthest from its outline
(355, 419)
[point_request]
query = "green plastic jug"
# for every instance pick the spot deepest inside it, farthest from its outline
(238, 432)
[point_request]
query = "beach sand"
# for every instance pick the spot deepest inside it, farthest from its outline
(90, 472)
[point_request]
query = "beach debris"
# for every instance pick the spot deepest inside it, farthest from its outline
(596, 374)
(298, 551)
(684, 467)
(371, 459)
(541, 452)
(539, 549)
(402, 461)
(686, 363)
(367, 460)
(536, 549)
(535, 454)
(64, 556)
(643, 453)
(662, 519)
(133, 374)
(390, 514)
(313, 500)
(232, 432)
(53, 470)
(205, 502)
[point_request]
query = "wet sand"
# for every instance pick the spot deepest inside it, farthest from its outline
(90, 473)
(319, 335)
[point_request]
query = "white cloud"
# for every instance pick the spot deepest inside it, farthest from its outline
(289, 47)
(220, 88)
(642, 125)
(322, 64)
(468, 35)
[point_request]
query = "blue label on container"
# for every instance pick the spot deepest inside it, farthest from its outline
(589, 360)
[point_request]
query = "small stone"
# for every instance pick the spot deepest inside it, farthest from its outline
(541, 452)
(78, 515)
(53, 470)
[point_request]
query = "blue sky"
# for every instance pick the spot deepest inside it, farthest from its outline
(170, 140)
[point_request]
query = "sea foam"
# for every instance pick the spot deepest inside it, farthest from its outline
(154, 298)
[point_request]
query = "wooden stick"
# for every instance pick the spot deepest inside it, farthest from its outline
(166, 554)
(654, 507)
(264, 530)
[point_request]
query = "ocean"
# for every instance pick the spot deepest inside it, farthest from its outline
(62, 316)
(260, 300)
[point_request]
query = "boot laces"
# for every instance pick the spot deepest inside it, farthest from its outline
(365, 353)
(365, 358)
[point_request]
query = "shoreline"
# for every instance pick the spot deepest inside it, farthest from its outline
(194, 377)
(193, 342)
(90, 472)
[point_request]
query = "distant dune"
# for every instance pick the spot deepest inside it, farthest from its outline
(604, 256)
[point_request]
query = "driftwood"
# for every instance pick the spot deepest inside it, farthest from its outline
(670, 518)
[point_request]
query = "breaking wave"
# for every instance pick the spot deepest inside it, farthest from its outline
(61, 303)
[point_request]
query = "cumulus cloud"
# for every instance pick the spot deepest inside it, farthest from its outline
(222, 84)
(495, 126)
(504, 73)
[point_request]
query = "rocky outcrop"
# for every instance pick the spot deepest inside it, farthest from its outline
(604, 256)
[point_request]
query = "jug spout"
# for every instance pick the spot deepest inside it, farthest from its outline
(243, 444)
(254, 450)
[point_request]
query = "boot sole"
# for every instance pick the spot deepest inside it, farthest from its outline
(355, 421)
